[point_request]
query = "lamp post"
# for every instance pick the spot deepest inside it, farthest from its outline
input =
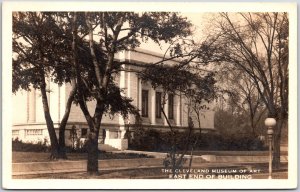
(270, 123)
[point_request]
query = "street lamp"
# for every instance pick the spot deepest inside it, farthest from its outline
(270, 123)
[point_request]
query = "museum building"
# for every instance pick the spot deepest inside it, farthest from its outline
(29, 122)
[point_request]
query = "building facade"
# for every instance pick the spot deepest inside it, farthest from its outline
(29, 122)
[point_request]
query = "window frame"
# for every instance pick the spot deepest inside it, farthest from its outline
(171, 106)
(158, 104)
(86, 133)
(145, 103)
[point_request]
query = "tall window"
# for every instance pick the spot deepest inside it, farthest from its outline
(158, 105)
(171, 106)
(144, 103)
(84, 132)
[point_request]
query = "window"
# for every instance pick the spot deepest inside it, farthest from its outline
(84, 132)
(171, 106)
(144, 103)
(158, 105)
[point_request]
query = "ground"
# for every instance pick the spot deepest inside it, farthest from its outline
(18, 157)
(145, 172)
(150, 173)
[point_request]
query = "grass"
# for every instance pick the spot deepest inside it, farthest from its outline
(18, 157)
(146, 173)
(235, 153)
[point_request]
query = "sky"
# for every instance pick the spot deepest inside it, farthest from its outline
(199, 20)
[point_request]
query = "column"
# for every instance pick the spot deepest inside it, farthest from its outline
(178, 110)
(166, 110)
(128, 83)
(122, 86)
(119, 142)
(152, 108)
(32, 106)
(139, 102)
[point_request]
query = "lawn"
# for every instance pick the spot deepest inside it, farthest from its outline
(18, 157)
(146, 173)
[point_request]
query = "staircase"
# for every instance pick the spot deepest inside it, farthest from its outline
(107, 148)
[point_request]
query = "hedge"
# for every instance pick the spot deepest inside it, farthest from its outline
(153, 140)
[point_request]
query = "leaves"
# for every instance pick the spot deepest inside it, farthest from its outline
(180, 80)
(40, 49)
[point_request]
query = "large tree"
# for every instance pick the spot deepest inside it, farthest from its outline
(241, 96)
(257, 43)
(40, 56)
(182, 80)
(42, 46)
(108, 34)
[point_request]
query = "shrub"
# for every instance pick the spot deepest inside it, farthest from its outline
(18, 145)
(153, 140)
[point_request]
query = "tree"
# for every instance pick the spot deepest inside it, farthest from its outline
(116, 31)
(39, 47)
(242, 96)
(257, 43)
(182, 80)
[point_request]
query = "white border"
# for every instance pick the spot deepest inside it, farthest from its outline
(10, 183)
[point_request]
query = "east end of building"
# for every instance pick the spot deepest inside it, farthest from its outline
(29, 122)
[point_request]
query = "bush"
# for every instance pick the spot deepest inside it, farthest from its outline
(153, 140)
(79, 147)
(18, 145)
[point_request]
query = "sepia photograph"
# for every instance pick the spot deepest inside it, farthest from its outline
(100, 95)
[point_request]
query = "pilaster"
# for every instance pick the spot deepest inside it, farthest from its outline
(32, 106)
(152, 108)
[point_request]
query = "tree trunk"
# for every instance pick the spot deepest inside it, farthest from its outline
(93, 123)
(92, 163)
(61, 143)
(276, 136)
(92, 147)
(50, 126)
(63, 123)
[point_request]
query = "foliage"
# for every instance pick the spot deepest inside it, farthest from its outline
(97, 81)
(40, 50)
(116, 31)
(41, 55)
(177, 79)
(228, 123)
(18, 145)
(153, 140)
(184, 80)
(240, 97)
(59, 40)
(257, 43)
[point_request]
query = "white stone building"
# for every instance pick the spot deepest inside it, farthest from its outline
(29, 122)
